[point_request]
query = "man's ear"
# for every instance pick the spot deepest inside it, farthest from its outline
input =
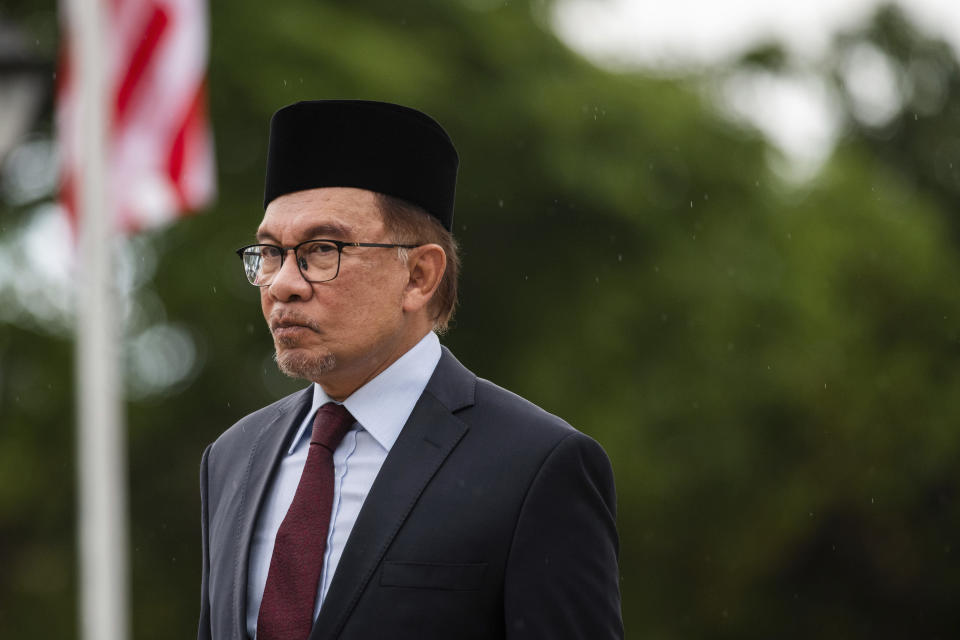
(426, 265)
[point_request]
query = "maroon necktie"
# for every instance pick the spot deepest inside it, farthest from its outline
(286, 611)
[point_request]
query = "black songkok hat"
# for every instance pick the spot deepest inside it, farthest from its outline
(377, 146)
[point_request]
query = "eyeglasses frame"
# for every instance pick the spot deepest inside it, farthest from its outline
(340, 244)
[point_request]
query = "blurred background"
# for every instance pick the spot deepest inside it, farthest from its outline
(721, 239)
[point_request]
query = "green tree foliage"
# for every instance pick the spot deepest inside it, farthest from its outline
(918, 139)
(771, 368)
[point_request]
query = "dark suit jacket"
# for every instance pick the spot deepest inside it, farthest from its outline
(490, 518)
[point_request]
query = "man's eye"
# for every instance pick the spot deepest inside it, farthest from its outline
(320, 248)
(269, 252)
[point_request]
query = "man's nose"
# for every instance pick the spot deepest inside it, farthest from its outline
(289, 283)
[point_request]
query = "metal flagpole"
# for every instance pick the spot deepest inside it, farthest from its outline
(101, 445)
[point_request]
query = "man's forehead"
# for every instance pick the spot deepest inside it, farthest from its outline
(329, 212)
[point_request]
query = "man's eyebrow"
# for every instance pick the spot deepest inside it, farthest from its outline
(265, 236)
(330, 230)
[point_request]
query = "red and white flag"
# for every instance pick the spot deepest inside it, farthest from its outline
(160, 162)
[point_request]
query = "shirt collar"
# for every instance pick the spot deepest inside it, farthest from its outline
(383, 404)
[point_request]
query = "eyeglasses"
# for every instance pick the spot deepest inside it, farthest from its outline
(317, 260)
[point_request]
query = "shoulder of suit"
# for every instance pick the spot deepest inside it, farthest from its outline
(248, 428)
(503, 405)
(511, 426)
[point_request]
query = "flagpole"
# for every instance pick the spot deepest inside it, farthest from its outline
(101, 445)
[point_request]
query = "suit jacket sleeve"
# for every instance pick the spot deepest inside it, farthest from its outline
(204, 630)
(562, 576)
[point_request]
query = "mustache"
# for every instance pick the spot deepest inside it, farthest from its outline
(280, 319)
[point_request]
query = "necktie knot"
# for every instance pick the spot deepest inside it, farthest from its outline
(331, 424)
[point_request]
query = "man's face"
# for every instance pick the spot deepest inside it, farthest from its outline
(342, 332)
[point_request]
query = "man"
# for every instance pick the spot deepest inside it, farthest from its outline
(399, 496)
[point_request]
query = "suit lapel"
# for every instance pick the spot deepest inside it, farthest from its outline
(428, 437)
(265, 455)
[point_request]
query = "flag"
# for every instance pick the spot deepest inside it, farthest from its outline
(160, 162)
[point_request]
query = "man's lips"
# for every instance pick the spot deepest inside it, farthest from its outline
(288, 328)
(291, 327)
(287, 324)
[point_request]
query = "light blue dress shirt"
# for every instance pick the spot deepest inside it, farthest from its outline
(381, 408)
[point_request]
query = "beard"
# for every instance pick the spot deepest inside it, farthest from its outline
(300, 363)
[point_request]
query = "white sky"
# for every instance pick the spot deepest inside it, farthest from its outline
(799, 114)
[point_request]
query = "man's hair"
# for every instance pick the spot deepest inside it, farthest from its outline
(409, 224)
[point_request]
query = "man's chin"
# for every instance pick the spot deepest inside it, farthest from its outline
(301, 363)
